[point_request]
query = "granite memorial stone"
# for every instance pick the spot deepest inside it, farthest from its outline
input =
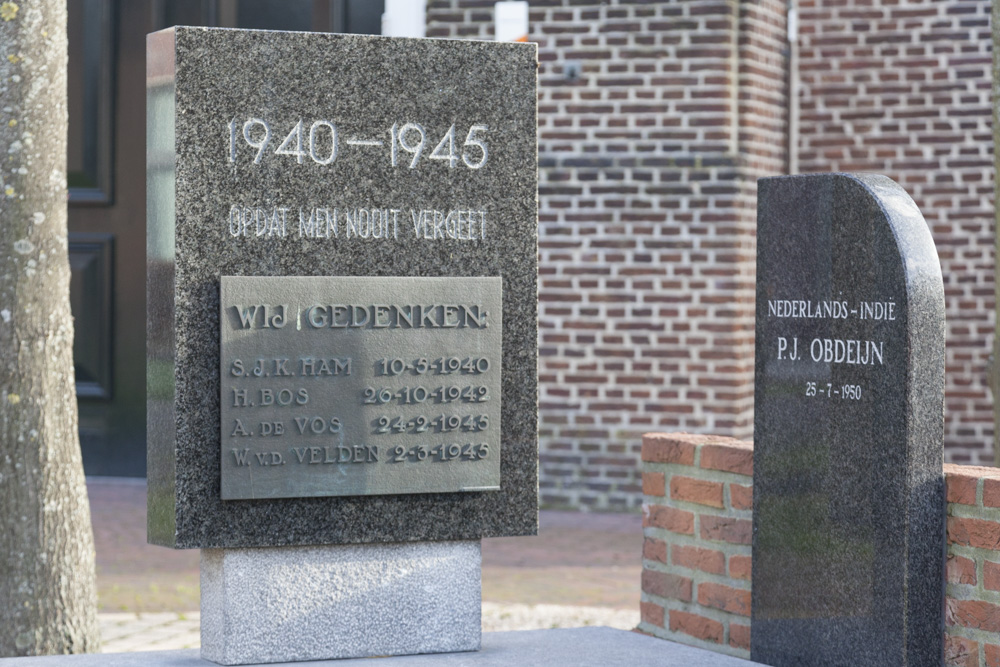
(848, 509)
(341, 327)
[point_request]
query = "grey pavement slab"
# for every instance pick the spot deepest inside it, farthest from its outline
(576, 647)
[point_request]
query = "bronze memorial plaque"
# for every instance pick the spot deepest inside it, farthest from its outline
(341, 386)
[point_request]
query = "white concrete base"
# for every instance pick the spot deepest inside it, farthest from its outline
(287, 604)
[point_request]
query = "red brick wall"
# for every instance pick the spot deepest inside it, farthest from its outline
(697, 520)
(647, 196)
(647, 164)
(903, 89)
(972, 611)
(696, 554)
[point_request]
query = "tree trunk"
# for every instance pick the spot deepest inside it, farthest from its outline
(48, 598)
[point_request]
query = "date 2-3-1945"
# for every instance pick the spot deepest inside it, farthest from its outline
(444, 452)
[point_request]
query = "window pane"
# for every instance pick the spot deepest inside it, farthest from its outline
(271, 15)
(90, 93)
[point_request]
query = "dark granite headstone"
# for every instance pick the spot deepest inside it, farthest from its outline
(848, 511)
(408, 166)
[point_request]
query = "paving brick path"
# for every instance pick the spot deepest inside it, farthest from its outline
(164, 630)
(582, 569)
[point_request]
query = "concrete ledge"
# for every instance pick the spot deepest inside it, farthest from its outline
(574, 647)
(279, 604)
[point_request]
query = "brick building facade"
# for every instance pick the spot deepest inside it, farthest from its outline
(655, 121)
(903, 88)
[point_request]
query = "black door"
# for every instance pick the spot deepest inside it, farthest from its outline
(107, 212)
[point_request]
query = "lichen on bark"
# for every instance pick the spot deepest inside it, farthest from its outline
(48, 600)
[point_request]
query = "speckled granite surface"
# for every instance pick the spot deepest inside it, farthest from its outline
(229, 177)
(339, 601)
(849, 513)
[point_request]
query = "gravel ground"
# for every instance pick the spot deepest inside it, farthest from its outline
(165, 631)
(502, 617)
